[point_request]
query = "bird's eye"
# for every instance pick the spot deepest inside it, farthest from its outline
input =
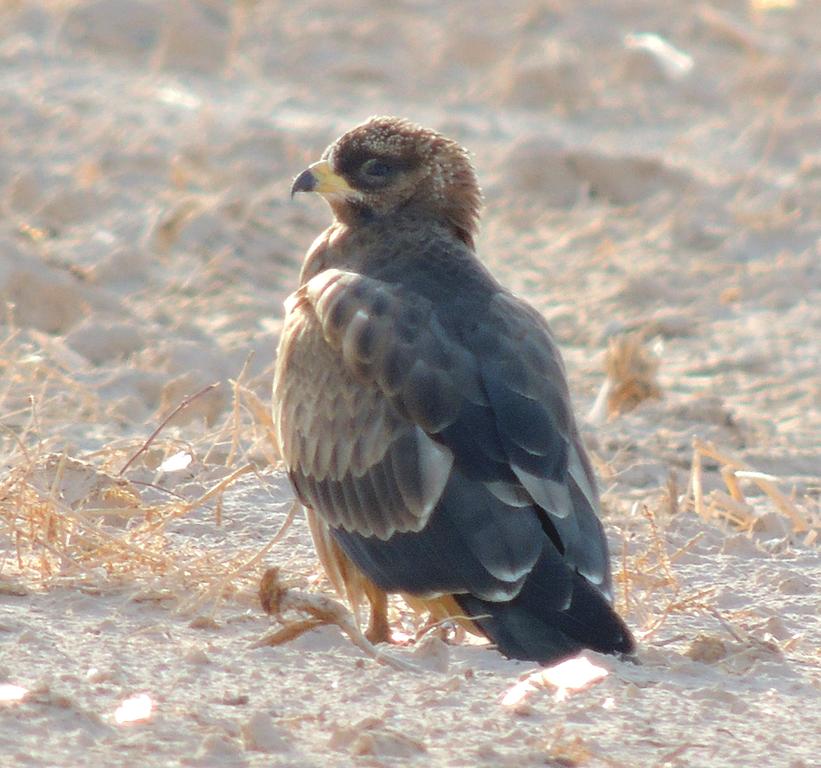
(376, 168)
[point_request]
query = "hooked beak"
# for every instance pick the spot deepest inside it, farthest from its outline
(319, 178)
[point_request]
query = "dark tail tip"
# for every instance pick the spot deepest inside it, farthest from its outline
(528, 628)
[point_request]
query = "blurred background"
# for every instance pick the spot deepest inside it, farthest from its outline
(646, 165)
(641, 161)
(652, 180)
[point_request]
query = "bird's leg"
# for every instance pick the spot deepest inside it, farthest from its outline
(378, 630)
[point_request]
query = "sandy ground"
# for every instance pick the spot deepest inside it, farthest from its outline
(669, 185)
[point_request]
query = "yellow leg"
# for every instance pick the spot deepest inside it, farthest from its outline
(348, 581)
(378, 630)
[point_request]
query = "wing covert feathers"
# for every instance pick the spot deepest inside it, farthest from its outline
(350, 451)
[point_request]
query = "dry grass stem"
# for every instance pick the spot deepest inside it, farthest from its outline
(733, 506)
(262, 416)
(236, 411)
(631, 368)
(650, 588)
(215, 592)
(277, 599)
(66, 519)
(181, 406)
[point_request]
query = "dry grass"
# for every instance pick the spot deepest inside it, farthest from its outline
(734, 506)
(631, 366)
(93, 520)
(277, 599)
(68, 522)
(652, 592)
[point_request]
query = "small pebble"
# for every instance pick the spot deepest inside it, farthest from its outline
(261, 734)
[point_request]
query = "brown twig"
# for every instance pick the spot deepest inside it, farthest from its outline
(734, 470)
(183, 404)
(277, 599)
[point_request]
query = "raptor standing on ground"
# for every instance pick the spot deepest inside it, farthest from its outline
(423, 414)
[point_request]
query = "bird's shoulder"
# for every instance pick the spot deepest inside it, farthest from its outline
(418, 289)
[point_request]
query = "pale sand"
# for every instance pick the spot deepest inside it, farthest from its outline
(147, 243)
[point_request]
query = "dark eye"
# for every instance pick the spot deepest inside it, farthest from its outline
(376, 168)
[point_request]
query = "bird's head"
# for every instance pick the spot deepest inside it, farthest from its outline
(388, 166)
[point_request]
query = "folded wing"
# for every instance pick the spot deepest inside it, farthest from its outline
(438, 444)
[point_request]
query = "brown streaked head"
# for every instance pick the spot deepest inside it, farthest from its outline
(390, 166)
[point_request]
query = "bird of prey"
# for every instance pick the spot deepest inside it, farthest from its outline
(423, 413)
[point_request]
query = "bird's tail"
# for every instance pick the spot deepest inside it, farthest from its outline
(534, 628)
